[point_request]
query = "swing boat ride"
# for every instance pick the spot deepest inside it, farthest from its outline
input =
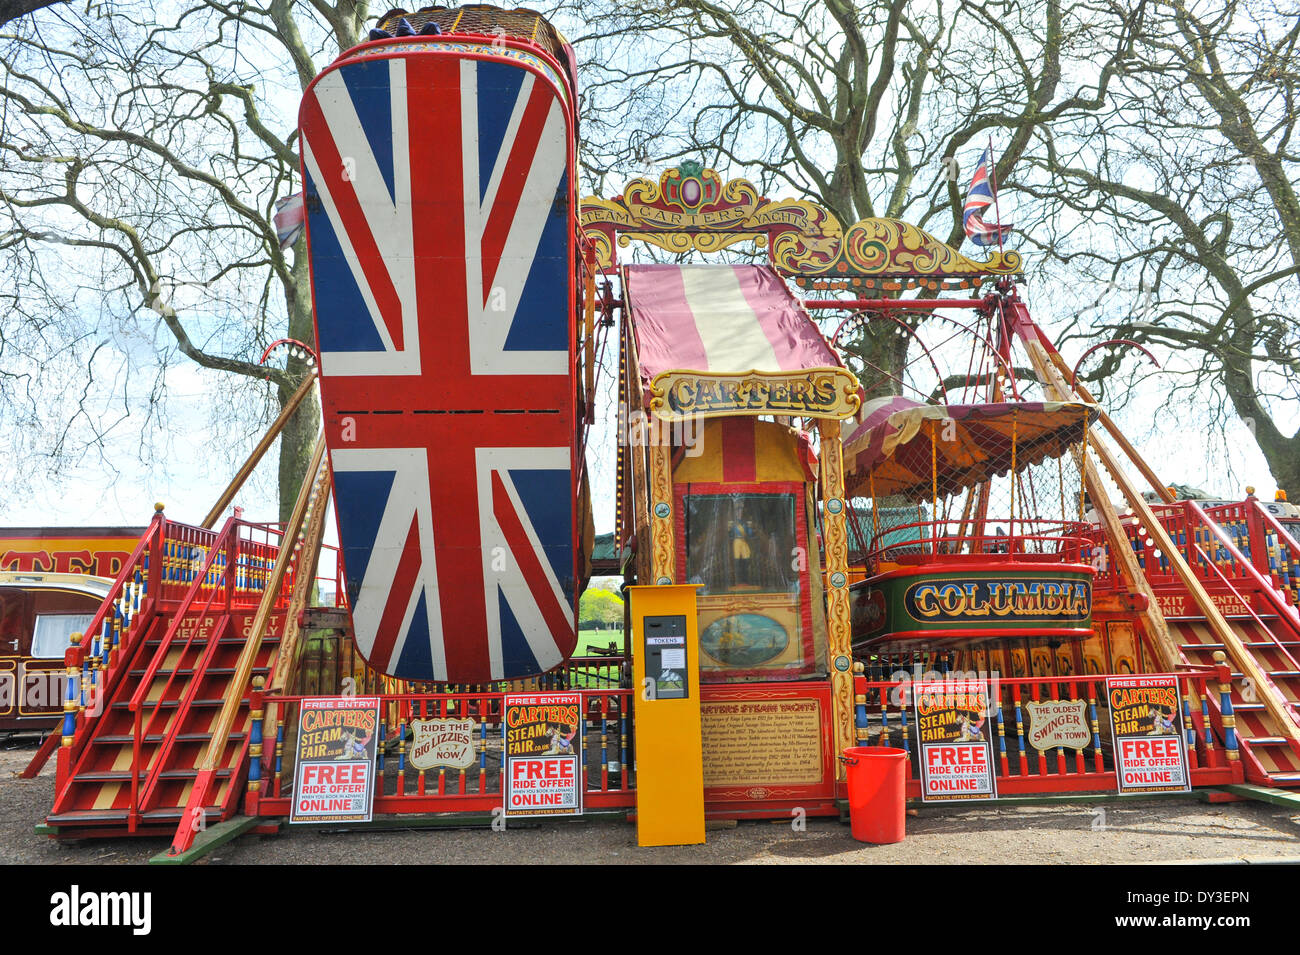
(844, 531)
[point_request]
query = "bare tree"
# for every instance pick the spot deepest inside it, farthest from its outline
(1178, 199)
(141, 166)
(865, 108)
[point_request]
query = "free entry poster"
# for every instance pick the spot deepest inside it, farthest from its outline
(1147, 728)
(334, 776)
(955, 734)
(543, 755)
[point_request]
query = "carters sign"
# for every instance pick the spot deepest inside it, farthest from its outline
(812, 393)
(1147, 729)
(543, 754)
(955, 733)
(100, 551)
(334, 780)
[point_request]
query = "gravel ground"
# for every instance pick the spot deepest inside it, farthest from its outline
(1136, 831)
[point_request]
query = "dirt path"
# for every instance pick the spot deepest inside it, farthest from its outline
(1134, 831)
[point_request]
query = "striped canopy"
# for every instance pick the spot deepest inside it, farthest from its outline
(890, 452)
(719, 319)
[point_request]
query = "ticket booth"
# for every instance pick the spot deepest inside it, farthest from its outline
(747, 535)
(731, 494)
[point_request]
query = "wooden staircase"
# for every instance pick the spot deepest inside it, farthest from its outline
(1234, 552)
(1270, 757)
(142, 715)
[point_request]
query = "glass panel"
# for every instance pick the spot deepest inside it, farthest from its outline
(741, 543)
(53, 633)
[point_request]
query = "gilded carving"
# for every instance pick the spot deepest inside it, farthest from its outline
(838, 627)
(691, 208)
(808, 393)
(664, 551)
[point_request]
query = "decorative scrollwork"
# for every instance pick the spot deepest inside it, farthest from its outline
(691, 208)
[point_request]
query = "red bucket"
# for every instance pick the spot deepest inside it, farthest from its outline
(877, 778)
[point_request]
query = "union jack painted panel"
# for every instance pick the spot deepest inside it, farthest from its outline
(439, 219)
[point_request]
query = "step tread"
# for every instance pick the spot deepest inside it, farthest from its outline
(224, 641)
(155, 738)
(124, 775)
(189, 671)
(108, 817)
(172, 704)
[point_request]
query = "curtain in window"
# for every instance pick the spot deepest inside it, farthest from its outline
(53, 633)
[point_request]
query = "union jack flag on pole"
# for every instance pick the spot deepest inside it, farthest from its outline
(440, 228)
(289, 219)
(980, 196)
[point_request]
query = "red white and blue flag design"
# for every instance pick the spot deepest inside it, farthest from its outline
(979, 197)
(289, 219)
(440, 231)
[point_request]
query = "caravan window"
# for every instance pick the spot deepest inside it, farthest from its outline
(53, 633)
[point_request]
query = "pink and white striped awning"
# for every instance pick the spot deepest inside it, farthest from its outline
(719, 320)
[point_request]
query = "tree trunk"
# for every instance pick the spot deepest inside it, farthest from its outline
(298, 439)
(1283, 457)
(13, 9)
(881, 356)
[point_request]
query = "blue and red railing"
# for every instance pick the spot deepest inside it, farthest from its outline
(883, 717)
(177, 574)
(400, 788)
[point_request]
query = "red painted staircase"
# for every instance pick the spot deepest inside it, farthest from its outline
(1242, 557)
(145, 688)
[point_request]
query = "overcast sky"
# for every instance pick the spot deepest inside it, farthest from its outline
(194, 465)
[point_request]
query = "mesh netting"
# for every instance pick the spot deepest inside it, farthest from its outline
(952, 489)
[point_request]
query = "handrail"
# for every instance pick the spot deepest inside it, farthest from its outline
(306, 560)
(1188, 670)
(1251, 572)
(140, 792)
(1071, 538)
(1245, 602)
(183, 542)
(1007, 695)
(178, 616)
(239, 682)
(110, 674)
(1272, 523)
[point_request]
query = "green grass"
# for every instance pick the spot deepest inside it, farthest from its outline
(587, 639)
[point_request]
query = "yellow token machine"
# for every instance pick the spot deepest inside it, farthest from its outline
(669, 756)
